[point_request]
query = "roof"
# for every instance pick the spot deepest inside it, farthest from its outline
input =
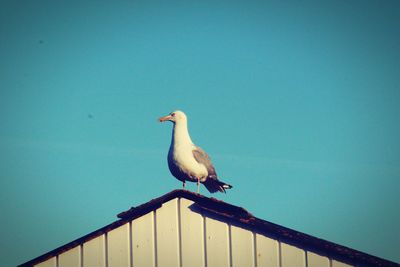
(236, 216)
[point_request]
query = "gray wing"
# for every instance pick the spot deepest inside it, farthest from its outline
(202, 158)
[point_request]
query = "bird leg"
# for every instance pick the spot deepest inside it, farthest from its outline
(198, 185)
(184, 184)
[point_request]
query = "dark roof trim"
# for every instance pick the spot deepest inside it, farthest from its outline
(235, 215)
(216, 204)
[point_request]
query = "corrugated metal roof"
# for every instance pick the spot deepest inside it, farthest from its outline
(235, 215)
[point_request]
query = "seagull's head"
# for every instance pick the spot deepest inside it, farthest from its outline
(175, 117)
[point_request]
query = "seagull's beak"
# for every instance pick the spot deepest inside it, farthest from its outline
(165, 118)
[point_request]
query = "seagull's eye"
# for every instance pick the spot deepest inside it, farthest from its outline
(173, 114)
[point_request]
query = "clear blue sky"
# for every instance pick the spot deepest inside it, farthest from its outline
(297, 104)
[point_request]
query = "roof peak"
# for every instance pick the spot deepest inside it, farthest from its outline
(217, 205)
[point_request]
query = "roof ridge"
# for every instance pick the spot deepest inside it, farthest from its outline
(198, 198)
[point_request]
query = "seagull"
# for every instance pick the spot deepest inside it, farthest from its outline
(188, 162)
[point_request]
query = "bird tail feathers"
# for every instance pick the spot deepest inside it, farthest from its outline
(215, 185)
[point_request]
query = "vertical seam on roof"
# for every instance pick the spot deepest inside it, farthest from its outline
(106, 248)
(155, 238)
(179, 231)
(81, 255)
(130, 244)
(305, 257)
(205, 240)
(255, 249)
(230, 244)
